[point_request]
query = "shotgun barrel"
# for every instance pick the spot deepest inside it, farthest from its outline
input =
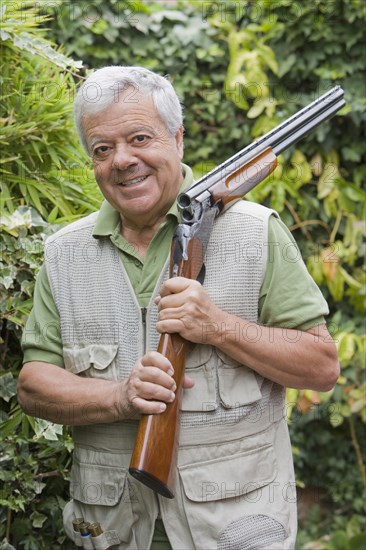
(280, 138)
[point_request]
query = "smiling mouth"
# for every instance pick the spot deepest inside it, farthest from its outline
(128, 183)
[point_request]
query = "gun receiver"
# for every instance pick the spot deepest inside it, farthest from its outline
(154, 457)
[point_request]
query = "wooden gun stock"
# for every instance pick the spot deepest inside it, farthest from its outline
(152, 463)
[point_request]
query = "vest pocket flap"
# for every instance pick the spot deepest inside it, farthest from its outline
(76, 359)
(202, 397)
(80, 358)
(102, 355)
(238, 386)
(199, 355)
(97, 485)
(229, 477)
(226, 359)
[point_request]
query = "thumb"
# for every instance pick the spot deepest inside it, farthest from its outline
(188, 382)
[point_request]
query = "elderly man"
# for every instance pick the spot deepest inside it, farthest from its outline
(101, 300)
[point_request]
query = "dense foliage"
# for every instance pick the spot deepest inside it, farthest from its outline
(240, 69)
(45, 180)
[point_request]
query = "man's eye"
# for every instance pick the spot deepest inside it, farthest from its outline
(100, 151)
(141, 138)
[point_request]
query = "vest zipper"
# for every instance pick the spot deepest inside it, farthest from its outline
(143, 318)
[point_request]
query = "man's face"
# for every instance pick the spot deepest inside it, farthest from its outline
(136, 160)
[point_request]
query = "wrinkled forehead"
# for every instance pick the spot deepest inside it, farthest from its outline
(129, 106)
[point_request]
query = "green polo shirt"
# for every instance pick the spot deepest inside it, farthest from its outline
(289, 297)
(143, 273)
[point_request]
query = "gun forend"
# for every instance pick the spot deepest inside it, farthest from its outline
(259, 155)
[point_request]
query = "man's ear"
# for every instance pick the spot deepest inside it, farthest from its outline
(179, 141)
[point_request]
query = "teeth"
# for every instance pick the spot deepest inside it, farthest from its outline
(131, 182)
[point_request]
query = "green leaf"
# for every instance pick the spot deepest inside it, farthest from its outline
(257, 109)
(336, 286)
(8, 276)
(8, 386)
(41, 47)
(35, 198)
(9, 426)
(286, 64)
(346, 343)
(38, 519)
(327, 180)
(46, 429)
(53, 215)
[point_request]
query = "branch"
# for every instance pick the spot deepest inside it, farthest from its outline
(357, 450)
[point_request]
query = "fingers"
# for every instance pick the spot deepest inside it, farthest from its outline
(156, 360)
(170, 325)
(176, 291)
(157, 407)
(150, 386)
(175, 285)
(180, 299)
(185, 308)
(141, 406)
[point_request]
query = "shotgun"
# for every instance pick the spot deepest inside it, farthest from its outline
(154, 457)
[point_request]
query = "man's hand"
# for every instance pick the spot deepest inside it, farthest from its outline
(185, 308)
(150, 386)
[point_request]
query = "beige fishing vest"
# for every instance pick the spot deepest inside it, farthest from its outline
(235, 486)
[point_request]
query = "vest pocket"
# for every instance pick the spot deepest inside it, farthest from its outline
(94, 361)
(228, 477)
(97, 485)
(220, 491)
(238, 384)
(217, 376)
(100, 493)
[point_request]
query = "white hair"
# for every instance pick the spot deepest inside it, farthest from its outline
(103, 88)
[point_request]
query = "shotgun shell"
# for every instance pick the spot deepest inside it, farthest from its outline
(95, 529)
(76, 524)
(84, 528)
(86, 539)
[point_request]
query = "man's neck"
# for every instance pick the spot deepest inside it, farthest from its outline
(140, 236)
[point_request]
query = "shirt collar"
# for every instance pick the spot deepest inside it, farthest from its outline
(108, 219)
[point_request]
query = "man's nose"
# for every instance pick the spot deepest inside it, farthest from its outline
(124, 157)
